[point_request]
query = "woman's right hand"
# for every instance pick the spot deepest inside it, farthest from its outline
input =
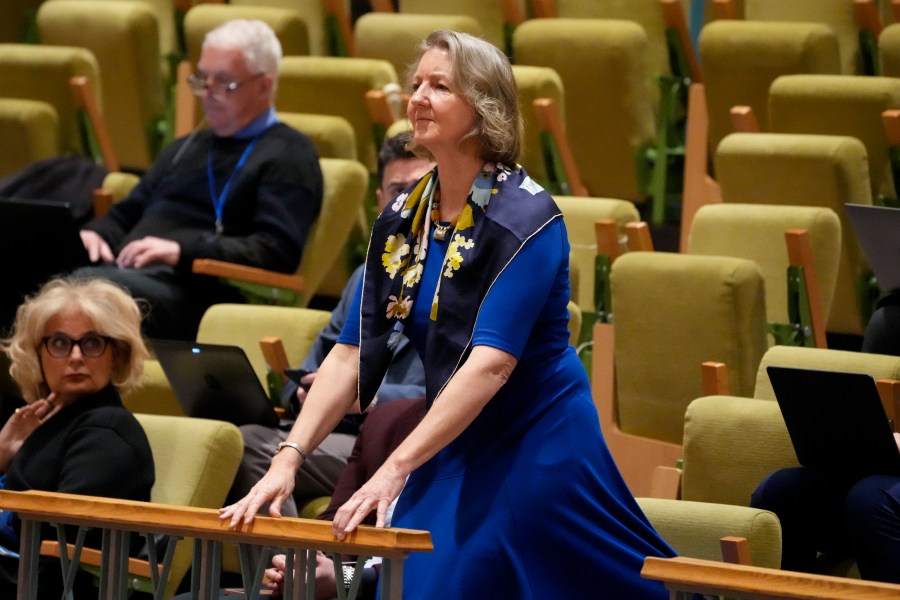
(20, 425)
(275, 487)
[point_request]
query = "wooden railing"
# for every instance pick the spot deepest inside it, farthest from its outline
(301, 538)
(688, 575)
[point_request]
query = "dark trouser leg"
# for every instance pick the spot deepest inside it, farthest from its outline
(174, 304)
(873, 515)
(810, 506)
(883, 331)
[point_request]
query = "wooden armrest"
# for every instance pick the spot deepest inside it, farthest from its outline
(744, 120)
(544, 9)
(638, 233)
(218, 268)
(82, 91)
(673, 15)
(867, 16)
(889, 390)
(735, 550)
(891, 121)
(548, 120)
(666, 483)
(725, 9)
(743, 581)
(185, 101)
(381, 6)
(338, 10)
(895, 9)
(94, 558)
(715, 379)
(699, 187)
(606, 232)
(102, 201)
(799, 250)
(512, 12)
(273, 351)
(379, 108)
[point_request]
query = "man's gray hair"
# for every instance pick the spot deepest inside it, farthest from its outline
(255, 39)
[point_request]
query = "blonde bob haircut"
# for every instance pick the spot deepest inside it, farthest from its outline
(481, 73)
(110, 308)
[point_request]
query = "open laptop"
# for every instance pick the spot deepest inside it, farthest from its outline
(215, 381)
(836, 421)
(38, 240)
(878, 231)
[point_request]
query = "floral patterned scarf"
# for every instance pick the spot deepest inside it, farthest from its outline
(504, 209)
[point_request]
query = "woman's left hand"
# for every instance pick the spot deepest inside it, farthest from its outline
(376, 494)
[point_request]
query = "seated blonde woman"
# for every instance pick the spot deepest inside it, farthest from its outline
(75, 345)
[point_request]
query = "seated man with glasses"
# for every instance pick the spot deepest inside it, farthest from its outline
(245, 189)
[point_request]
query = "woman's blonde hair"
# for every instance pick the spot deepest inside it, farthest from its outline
(483, 75)
(110, 308)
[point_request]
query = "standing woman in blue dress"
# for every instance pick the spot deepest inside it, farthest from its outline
(508, 470)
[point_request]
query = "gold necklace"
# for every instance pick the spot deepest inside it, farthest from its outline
(440, 231)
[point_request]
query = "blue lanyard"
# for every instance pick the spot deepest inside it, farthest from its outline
(218, 200)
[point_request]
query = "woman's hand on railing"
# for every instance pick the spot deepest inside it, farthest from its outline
(376, 494)
(275, 487)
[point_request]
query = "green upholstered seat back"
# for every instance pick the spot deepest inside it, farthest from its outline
(740, 60)
(33, 72)
(694, 529)
(879, 366)
(605, 69)
(730, 444)
(333, 136)
(195, 462)
(839, 167)
(245, 324)
(889, 50)
(331, 85)
(395, 37)
(534, 83)
(839, 105)
(580, 214)
(30, 130)
(836, 14)
(756, 232)
(671, 313)
(488, 14)
(124, 37)
(311, 12)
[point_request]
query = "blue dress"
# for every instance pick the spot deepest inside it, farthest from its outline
(527, 502)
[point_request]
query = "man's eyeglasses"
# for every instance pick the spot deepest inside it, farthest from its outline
(218, 90)
(92, 345)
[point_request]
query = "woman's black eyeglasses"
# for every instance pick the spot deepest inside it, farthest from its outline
(92, 345)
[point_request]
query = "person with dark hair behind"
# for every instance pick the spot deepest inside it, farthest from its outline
(398, 168)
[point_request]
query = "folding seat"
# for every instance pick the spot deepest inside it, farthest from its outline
(537, 83)
(30, 130)
(807, 170)
(124, 38)
(46, 74)
(889, 50)
(671, 312)
(337, 86)
(797, 249)
(395, 37)
(840, 105)
(333, 136)
(604, 68)
(498, 19)
(312, 12)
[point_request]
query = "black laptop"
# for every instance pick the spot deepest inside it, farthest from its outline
(215, 381)
(836, 421)
(38, 240)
